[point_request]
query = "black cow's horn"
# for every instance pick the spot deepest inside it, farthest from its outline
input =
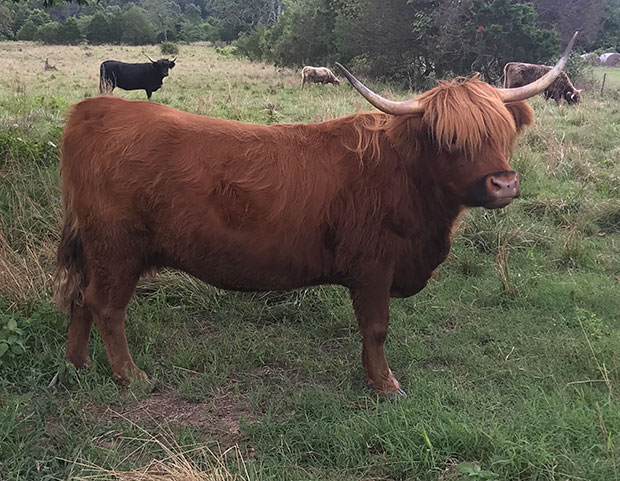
(174, 59)
(154, 61)
(521, 93)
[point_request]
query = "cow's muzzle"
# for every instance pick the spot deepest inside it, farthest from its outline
(495, 190)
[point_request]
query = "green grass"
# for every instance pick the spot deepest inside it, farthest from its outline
(509, 356)
(612, 74)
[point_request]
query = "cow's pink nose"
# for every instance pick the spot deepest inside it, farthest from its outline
(503, 185)
(501, 188)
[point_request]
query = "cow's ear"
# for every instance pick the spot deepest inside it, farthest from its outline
(522, 113)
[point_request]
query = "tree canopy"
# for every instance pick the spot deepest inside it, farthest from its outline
(411, 41)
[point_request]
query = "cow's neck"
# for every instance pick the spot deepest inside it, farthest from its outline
(428, 220)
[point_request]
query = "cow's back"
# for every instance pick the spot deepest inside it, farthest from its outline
(264, 199)
(518, 74)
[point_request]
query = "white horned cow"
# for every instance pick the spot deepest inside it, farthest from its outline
(318, 75)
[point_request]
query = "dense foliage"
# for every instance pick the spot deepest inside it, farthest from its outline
(411, 41)
(406, 40)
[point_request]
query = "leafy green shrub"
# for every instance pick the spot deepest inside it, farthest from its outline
(251, 45)
(114, 16)
(40, 17)
(578, 70)
(12, 338)
(137, 29)
(27, 31)
(49, 33)
(98, 29)
(191, 32)
(214, 29)
(192, 13)
(69, 33)
(14, 146)
(169, 48)
(227, 51)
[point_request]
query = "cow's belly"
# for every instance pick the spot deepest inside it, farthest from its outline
(254, 262)
(128, 85)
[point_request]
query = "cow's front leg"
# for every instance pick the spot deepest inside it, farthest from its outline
(371, 303)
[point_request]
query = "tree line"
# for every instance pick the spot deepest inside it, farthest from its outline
(412, 41)
(134, 22)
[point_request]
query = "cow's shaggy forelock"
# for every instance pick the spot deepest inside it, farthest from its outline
(462, 115)
(465, 115)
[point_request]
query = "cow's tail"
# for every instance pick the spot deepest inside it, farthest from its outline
(104, 82)
(70, 276)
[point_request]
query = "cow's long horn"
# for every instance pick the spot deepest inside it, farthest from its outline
(150, 58)
(174, 59)
(383, 104)
(522, 93)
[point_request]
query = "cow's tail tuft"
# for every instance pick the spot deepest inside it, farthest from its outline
(104, 82)
(70, 276)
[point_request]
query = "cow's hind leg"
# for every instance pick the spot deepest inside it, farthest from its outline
(372, 304)
(79, 334)
(107, 296)
(115, 256)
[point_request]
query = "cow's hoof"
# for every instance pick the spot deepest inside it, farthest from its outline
(133, 376)
(392, 391)
(84, 363)
(399, 393)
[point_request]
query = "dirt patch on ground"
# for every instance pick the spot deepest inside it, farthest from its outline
(219, 418)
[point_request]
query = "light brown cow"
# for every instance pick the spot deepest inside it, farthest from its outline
(517, 74)
(318, 75)
(367, 201)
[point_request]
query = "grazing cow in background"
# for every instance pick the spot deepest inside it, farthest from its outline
(517, 74)
(318, 75)
(367, 201)
(134, 76)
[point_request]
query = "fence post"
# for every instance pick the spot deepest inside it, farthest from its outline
(603, 84)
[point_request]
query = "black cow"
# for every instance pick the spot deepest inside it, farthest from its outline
(134, 76)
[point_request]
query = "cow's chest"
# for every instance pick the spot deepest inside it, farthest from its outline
(421, 255)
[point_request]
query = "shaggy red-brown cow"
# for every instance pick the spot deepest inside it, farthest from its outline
(366, 201)
(517, 74)
(318, 75)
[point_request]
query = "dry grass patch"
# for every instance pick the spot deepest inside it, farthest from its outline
(177, 463)
(219, 418)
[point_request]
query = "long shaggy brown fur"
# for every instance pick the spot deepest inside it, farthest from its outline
(69, 278)
(517, 74)
(366, 201)
(462, 115)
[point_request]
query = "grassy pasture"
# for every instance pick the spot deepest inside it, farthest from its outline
(612, 76)
(510, 356)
